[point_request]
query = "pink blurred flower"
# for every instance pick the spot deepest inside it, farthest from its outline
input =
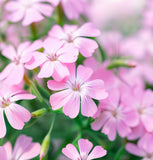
(115, 116)
(77, 36)
(110, 13)
(24, 149)
(84, 146)
(15, 113)
(54, 59)
(148, 14)
(28, 10)
(139, 46)
(111, 42)
(14, 72)
(142, 101)
(73, 9)
(75, 87)
(144, 148)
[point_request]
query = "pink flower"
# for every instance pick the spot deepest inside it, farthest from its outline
(73, 9)
(84, 146)
(75, 87)
(142, 101)
(54, 59)
(24, 149)
(28, 10)
(14, 72)
(15, 113)
(139, 46)
(144, 148)
(77, 36)
(111, 42)
(115, 116)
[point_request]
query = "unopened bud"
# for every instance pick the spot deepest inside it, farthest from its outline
(39, 112)
(121, 63)
(45, 146)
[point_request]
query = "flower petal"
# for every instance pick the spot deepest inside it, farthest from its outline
(84, 146)
(71, 152)
(72, 107)
(97, 152)
(96, 89)
(31, 151)
(82, 43)
(84, 73)
(46, 70)
(59, 99)
(2, 124)
(17, 115)
(88, 107)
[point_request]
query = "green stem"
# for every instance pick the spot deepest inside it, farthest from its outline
(33, 29)
(46, 141)
(60, 15)
(119, 153)
(103, 54)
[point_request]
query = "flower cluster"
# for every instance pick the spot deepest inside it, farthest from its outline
(54, 54)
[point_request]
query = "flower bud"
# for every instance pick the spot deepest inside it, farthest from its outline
(39, 112)
(121, 63)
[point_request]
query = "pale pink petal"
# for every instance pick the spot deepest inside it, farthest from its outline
(57, 32)
(123, 129)
(16, 76)
(72, 107)
(137, 132)
(145, 142)
(148, 98)
(31, 151)
(60, 71)
(88, 107)
(96, 89)
(110, 129)
(71, 152)
(52, 45)
(101, 120)
(3, 154)
(12, 5)
(70, 8)
(147, 121)
(87, 30)
(8, 149)
(54, 85)
(2, 124)
(17, 115)
(92, 63)
(21, 144)
(6, 71)
(84, 146)
(46, 70)
(37, 59)
(97, 152)
(68, 54)
(31, 15)
(9, 52)
(131, 118)
(34, 46)
(22, 96)
(59, 99)
(45, 9)
(22, 47)
(16, 15)
(84, 73)
(72, 67)
(133, 149)
(82, 43)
